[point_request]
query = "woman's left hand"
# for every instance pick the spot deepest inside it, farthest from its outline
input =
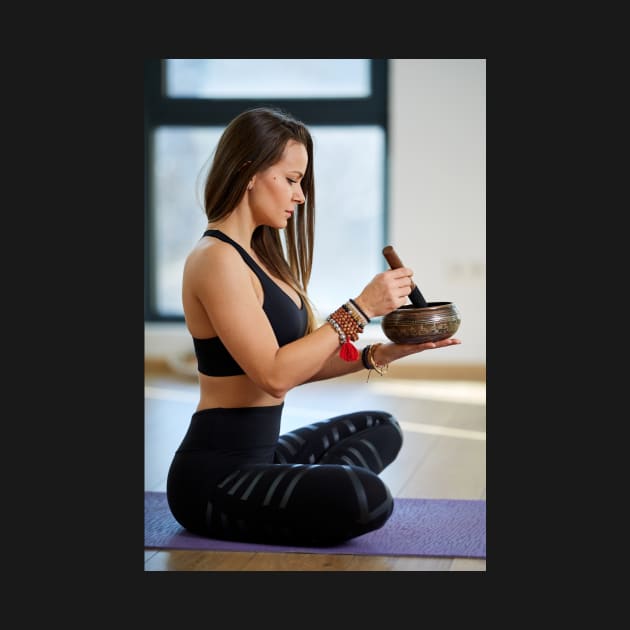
(390, 352)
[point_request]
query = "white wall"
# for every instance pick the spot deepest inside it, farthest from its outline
(437, 214)
(437, 135)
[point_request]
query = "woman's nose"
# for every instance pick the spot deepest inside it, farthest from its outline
(299, 197)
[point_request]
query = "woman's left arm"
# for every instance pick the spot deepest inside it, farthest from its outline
(384, 354)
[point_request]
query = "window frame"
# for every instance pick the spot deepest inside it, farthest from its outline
(160, 110)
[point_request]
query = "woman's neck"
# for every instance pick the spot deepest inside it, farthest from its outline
(238, 229)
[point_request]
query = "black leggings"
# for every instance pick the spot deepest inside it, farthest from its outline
(234, 477)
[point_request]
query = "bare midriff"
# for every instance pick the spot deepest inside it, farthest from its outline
(232, 391)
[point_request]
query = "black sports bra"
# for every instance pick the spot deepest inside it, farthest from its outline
(287, 320)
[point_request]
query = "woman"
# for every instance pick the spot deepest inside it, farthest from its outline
(255, 338)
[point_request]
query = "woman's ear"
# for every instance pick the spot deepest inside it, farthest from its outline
(251, 183)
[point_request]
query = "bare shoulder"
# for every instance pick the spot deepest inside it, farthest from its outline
(212, 252)
(211, 258)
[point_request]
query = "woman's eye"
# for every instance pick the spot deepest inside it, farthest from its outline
(291, 181)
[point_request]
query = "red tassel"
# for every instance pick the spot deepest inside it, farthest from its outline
(348, 352)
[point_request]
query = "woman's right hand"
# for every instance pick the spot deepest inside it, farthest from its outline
(386, 292)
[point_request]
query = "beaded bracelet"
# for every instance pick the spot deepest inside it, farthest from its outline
(367, 319)
(348, 324)
(338, 329)
(356, 315)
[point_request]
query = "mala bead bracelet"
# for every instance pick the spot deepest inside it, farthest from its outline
(348, 321)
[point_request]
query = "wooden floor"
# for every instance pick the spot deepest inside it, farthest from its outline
(443, 456)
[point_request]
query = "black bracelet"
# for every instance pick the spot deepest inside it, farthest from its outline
(364, 358)
(360, 311)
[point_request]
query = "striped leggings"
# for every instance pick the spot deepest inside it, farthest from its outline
(234, 477)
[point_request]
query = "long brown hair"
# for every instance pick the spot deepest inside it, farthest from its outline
(250, 143)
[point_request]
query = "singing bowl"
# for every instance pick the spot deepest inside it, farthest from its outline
(413, 324)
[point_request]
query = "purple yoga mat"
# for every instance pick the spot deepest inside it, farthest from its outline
(417, 527)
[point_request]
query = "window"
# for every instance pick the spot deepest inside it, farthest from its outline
(188, 102)
(268, 78)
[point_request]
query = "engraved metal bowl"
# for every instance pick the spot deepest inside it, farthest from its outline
(412, 324)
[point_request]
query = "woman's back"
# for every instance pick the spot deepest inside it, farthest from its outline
(223, 382)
